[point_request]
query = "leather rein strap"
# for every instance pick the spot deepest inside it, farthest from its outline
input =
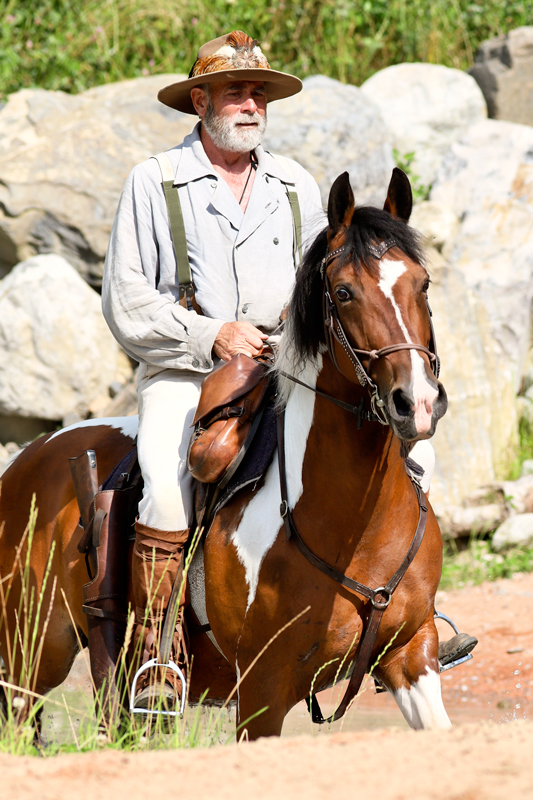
(379, 598)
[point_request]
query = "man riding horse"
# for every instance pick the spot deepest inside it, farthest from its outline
(201, 263)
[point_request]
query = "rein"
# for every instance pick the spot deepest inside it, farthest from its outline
(380, 597)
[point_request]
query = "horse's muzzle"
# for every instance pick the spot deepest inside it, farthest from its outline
(413, 419)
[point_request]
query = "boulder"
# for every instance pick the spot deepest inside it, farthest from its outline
(503, 69)
(426, 107)
(474, 441)
(518, 495)
(486, 179)
(64, 159)
(435, 222)
(515, 532)
(56, 351)
(329, 128)
(457, 522)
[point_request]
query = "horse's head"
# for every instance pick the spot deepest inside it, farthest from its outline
(378, 325)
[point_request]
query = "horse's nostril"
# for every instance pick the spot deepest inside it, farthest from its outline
(401, 403)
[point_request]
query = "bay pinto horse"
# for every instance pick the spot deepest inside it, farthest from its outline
(351, 499)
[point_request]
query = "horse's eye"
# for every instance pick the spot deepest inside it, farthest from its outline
(425, 288)
(342, 295)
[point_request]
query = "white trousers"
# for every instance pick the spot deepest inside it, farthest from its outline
(167, 403)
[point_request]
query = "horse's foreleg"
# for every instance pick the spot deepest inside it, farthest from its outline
(412, 676)
(260, 712)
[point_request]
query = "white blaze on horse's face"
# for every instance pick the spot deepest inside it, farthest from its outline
(424, 393)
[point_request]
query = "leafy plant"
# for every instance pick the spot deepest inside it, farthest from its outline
(71, 46)
(404, 162)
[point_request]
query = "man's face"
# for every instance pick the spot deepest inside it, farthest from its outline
(234, 115)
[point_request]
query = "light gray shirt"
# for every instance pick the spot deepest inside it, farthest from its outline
(242, 264)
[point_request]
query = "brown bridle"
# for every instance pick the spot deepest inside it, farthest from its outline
(380, 597)
(334, 331)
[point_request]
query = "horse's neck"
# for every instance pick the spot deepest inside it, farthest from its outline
(325, 450)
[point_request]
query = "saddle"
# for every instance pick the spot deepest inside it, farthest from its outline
(232, 400)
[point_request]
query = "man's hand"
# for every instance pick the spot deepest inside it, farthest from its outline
(238, 337)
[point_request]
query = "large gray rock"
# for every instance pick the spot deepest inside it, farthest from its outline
(426, 107)
(473, 440)
(504, 71)
(329, 128)
(515, 532)
(56, 351)
(457, 522)
(64, 159)
(486, 179)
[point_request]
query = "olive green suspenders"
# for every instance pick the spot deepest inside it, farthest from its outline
(177, 226)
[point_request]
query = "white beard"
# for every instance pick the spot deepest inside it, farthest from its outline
(227, 135)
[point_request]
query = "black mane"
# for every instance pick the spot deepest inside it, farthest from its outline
(369, 225)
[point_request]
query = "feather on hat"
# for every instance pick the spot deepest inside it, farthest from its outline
(234, 56)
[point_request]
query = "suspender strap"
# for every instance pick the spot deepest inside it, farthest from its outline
(297, 225)
(177, 228)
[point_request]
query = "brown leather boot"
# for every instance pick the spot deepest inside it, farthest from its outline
(157, 561)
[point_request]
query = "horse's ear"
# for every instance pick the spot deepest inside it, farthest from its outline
(399, 200)
(341, 205)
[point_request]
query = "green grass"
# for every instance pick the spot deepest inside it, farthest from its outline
(477, 563)
(67, 45)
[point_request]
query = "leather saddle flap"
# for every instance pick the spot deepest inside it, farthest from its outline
(232, 380)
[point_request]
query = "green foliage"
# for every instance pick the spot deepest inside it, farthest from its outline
(404, 162)
(67, 45)
(524, 451)
(477, 563)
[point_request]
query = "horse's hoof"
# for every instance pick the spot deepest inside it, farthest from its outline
(455, 648)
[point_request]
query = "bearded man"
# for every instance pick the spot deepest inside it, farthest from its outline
(240, 240)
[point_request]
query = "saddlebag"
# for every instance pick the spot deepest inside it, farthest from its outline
(231, 401)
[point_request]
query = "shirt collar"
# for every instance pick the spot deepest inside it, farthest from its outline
(193, 163)
(269, 165)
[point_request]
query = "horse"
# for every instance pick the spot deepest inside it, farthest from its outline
(358, 319)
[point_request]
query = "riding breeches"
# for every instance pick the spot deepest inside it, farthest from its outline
(167, 404)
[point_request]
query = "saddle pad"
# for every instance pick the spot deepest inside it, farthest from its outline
(256, 461)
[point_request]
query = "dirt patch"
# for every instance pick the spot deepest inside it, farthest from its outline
(482, 761)
(475, 762)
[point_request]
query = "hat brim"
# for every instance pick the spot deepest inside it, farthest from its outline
(278, 85)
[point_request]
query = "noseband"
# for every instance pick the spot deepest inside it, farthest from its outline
(334, 330)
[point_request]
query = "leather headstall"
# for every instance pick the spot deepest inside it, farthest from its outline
(334, 331)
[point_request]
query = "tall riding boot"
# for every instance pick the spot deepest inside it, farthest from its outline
(157, 563)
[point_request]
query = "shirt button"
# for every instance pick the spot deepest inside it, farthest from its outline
(276, 240)
(208, 364)
(214, 185)
(195, 362)
(245, 308)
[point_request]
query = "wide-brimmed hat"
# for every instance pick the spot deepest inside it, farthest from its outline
(232, 57)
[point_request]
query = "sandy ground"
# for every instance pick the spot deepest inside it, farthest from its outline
(371, 754)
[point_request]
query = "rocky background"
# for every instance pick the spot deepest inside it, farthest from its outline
(467, 140)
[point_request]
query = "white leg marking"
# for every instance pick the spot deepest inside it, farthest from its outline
(261, 520)
(423, 392)
(422, 704)
(127, 425)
